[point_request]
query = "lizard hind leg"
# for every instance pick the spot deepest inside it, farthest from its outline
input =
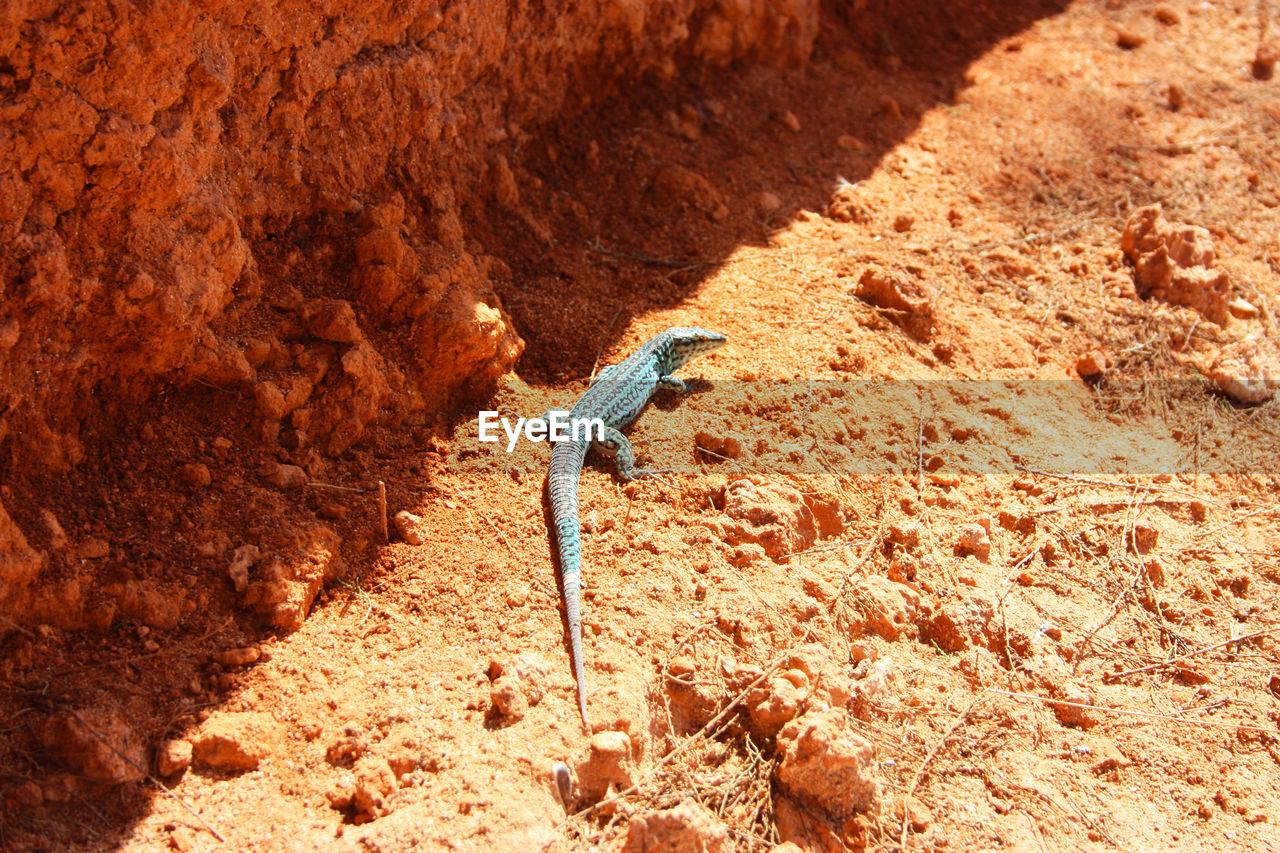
(616, 446)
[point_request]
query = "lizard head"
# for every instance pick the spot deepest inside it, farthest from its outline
(687, 342)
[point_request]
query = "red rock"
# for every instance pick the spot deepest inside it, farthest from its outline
(773, 705)
(1263, 66)
(888, 608)
(411, 528)
(19, 562)
(173, 756)
(775, 517)
(332, 320)
(609, 764)
(286, 585)
(1091, 364)
(97, 743)
(916, 812)
(508, 698)
(901, 292)
(688, 827)
(238, 657)
(824, 762)
(195, 475)
(235, 740)
(1129, 40)
(1145, 536)
(686, 188)
(284, 476)
(1175, 263)
(974, 539)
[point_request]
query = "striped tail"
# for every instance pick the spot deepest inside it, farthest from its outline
(562, 481)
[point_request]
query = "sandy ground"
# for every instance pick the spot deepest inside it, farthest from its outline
(955, 537)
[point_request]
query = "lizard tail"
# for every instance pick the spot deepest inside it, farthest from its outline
(566, 468)
(572, 594)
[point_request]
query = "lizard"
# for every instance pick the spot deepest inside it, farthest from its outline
(616, 396)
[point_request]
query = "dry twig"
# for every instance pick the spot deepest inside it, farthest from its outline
(1206, 649)
(1144, 714)
(924, 765)
(382, 512)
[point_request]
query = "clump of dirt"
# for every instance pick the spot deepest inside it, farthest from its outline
(965, 540)
(1176, 263)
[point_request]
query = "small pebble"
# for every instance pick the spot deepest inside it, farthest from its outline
(332, 510)
(195, 475)
(1091, 364)
(238, 657)
(1242, 308)
(683, 665)
(768, 202)
(94, 549)
(1145, 536)
(974, 539)
(57, 536)
(508, 698)
(1129, 40)
(173, 756)
(1264, 61)
(789, 121)
(410, 527)
(283, 476)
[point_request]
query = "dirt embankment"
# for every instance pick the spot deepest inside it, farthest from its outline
(280, 205)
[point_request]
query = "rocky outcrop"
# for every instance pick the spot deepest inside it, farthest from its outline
(236, 194)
